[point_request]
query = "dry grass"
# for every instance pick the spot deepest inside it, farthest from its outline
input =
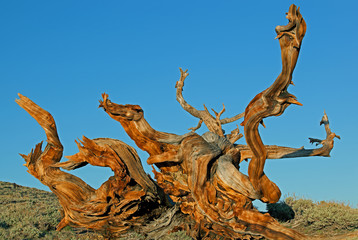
(29, 213)
(326, 219)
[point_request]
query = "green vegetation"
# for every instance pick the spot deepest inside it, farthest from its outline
(315, 217)
(29, 213)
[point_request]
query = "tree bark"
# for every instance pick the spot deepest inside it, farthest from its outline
(272, 102)
(200, 174)
(127, 200)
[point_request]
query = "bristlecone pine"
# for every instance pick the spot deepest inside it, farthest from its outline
(200, 174)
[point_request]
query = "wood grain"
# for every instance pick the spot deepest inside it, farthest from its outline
(199, 173)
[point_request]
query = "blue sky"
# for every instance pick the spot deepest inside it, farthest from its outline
(64, 54)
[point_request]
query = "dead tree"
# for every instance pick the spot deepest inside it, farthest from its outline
(199, 173)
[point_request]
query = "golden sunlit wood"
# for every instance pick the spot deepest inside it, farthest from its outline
(199, 173)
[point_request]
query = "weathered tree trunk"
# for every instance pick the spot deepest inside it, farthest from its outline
(213, 199)
(128, 200)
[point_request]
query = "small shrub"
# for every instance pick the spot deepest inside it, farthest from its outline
(4, 225)
(299, 206)
(336, 216)
(281, 211)
(323, 216)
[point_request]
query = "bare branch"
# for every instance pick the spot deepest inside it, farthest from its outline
(272, 102)
(232, 119)
(218, 115)
(179, 95)
(278, 152)
(212, 123)
(43, 117)
(234, 135)
(118, 204)
(193, 129)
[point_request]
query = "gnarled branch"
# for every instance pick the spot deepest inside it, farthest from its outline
(278, 152)
(199, 173)
(118, 205)
(212, 123)
(272, 102)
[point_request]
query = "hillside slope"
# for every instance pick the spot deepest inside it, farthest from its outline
(30, 213)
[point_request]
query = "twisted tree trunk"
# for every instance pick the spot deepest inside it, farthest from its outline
(200, 174)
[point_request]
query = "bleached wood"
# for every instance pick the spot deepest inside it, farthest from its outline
(214, 124)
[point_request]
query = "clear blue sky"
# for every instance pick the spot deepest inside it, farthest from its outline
(64, 54)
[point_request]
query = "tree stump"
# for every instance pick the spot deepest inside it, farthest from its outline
(199, 187)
